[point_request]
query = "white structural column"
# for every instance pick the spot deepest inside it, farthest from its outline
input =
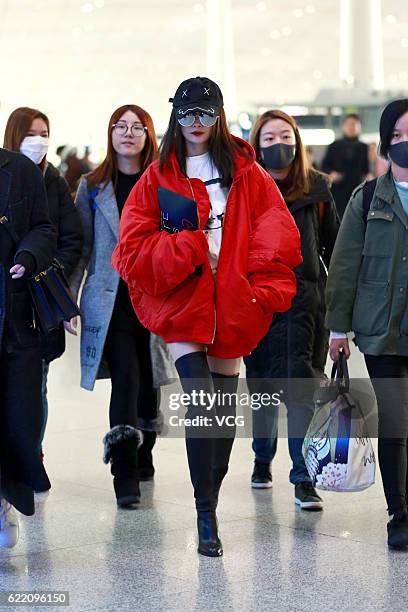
(220, 52)
(361, 45)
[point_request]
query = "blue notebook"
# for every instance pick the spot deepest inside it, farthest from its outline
(176, 212)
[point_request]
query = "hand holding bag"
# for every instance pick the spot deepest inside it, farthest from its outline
(51, 297)
(338, 452)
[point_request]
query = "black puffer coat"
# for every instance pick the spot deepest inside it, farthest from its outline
(67, 223)
(297, 342)
(24, 204)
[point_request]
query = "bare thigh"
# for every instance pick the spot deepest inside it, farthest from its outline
(179, 349)
(228, 367)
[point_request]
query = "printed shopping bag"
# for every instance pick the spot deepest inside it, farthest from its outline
(338, 452)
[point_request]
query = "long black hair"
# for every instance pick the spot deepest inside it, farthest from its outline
(222, 147)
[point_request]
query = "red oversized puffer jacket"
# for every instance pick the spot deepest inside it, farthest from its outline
(260, 246)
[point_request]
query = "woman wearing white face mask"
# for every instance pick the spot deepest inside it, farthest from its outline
(27, 131)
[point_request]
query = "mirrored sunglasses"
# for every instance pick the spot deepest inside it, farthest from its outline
(205, 120)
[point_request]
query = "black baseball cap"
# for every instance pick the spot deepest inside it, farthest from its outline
(197, 93)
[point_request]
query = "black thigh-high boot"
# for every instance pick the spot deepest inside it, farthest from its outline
(226, 387)
(195, 377)
(120, 450)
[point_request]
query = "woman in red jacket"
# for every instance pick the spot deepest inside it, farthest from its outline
(210, 286)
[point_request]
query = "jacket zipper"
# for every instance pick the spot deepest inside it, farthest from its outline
(198, 216)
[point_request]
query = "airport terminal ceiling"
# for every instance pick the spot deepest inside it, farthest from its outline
(78, 60)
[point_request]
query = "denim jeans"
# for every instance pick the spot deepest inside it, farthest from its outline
(265, 440)
(45, 368)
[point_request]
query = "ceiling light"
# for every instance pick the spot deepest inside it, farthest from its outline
(87, 7)
(391, 19)
(286, 30)
(275, 34)
(244, 121)
(295, 111)
(316, 136)
(298, 13)
(261, 6)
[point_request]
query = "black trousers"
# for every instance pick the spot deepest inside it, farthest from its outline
(389, 377)
(127, 352)
(21, 470)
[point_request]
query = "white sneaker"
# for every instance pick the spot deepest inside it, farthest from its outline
(9, 529)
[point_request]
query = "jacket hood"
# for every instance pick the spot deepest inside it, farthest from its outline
(242, 163)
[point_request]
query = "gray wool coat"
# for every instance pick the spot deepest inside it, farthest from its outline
(100, 231)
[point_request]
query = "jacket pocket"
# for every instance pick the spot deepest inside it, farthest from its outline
(250, 319)
(371, 308)
(21, 329)
(148, 307)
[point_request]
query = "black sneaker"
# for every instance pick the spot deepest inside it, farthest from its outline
(398, 530)
(261, 476)
(306, 497)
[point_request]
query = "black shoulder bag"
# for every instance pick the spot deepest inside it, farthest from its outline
(51, 297)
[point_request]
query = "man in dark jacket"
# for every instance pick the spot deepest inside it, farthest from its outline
(27, 246)
(346, 162)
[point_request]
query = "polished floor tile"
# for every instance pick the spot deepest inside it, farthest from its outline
(276, 558)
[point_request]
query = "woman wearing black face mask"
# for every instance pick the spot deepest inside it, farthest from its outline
(367, 293)
(296, 345)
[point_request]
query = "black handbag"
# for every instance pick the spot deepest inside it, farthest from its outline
(51, 296)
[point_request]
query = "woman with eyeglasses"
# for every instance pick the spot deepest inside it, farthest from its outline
(114, 344)
(207, 246)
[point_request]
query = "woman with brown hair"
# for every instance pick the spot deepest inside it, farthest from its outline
(114, 344)
(209, 282)
(28, 131)
(295, 347)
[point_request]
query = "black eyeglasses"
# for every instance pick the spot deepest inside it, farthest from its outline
(136, 129)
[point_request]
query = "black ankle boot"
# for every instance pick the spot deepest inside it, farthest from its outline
(127, 491)
(209, 543)
(398, 530)
(120, 450)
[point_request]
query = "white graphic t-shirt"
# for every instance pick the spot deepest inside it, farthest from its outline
(203, 168)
